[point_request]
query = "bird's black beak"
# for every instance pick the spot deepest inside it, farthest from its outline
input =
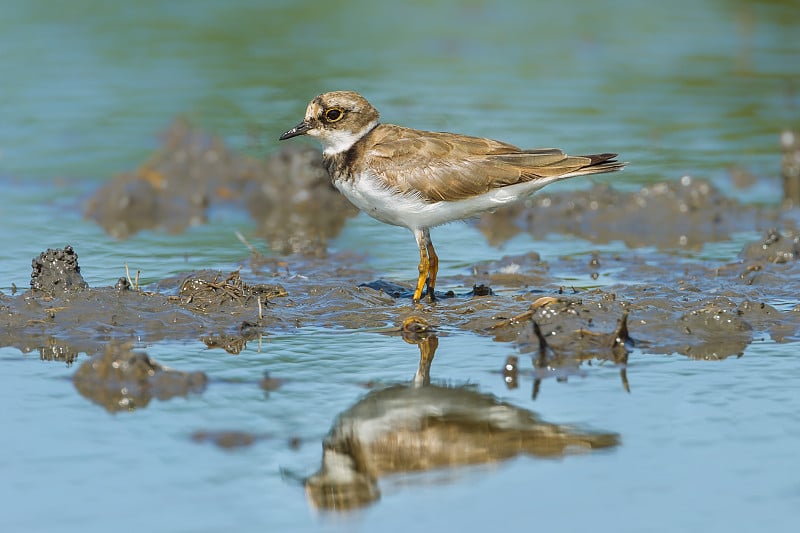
(300, 129)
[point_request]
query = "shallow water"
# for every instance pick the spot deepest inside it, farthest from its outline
(684, 88)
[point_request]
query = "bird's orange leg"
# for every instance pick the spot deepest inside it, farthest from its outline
(433, 269)
(424, 263)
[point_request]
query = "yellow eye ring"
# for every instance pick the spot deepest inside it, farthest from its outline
(334, 114)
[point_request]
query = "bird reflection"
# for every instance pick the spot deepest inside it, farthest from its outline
(419, 426)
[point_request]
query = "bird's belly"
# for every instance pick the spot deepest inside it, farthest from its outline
(379, 202)
(412, 211)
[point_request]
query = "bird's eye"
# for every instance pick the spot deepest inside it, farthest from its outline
(333, 114)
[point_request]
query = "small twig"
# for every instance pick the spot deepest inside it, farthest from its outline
(244, 241)
(540, 302)
(131, 283)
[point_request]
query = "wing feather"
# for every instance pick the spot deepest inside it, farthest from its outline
(445, 166)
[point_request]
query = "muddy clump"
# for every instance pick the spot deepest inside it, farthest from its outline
(212, 293)
(56, 272)
(678, 214)
(289, 195)
(709, 329)
(563, 328)
(205, 291)
(173, 188)
(124, 380)
(774, 248)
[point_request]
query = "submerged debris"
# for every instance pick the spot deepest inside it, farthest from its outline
(233, 344)
(230, 439)
(56, 350)
(269, 383)
(123, 380)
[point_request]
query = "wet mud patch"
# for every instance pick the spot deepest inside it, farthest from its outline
(559, 333)
(289, 195)
(120, 379)
(683, 214)
(672, 304)
(205, 291)
(57, 272)
(698, 309)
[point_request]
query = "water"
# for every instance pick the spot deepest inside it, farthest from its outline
(683, 87)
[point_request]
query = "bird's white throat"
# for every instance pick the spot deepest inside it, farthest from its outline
(337, 141)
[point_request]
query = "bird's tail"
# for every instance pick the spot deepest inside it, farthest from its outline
(600, 164)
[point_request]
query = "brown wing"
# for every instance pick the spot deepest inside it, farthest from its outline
(446, 166)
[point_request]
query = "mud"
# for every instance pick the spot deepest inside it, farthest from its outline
(683, 214)
(120, 379)
(57, 272)
(667, 305)
(698, 309)
(560, 333)
(289, 195)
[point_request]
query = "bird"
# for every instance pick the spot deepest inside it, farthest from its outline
(422, 179)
